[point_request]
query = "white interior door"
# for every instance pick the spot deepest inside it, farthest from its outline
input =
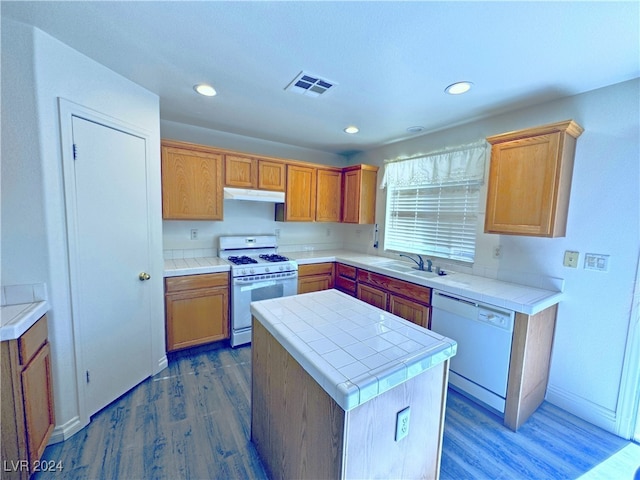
(111, 249)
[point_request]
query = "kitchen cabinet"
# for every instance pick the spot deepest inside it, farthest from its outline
(359, 194)
(329, 195)
(191, 182)
(530, 180)
(242, 171)
(28, 416)
(345, 279)
(300, 196)
(407, 300)
(315, 277)
(197, 309)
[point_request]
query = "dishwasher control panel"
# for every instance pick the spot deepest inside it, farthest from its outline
(498, 318)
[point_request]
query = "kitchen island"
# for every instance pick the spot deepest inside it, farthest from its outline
(332, 379)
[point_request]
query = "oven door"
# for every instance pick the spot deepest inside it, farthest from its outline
(246, 292)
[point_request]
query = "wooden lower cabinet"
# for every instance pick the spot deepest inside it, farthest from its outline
(28, 416)
(315, 277)
(415, 312)
(404, 299)
(345, 279)
(197, 310)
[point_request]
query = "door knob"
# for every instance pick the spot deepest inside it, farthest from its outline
(144, 276)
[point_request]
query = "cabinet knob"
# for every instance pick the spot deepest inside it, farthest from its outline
(144, 276)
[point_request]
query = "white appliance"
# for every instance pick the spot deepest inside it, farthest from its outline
(480, 367)
(258, 272)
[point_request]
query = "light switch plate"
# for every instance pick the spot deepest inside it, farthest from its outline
(596, 261)
(571, 259)
(402, 424)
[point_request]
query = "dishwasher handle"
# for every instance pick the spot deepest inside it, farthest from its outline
(457, 299)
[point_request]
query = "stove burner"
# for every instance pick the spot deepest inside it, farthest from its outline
(243, 260)
(274, 258)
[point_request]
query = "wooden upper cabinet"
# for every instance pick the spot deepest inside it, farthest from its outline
(248, 172)
(530, 180)
(271, 175)
(300, 197)
(359, 194)
(329, 195)
(191, 182)
(240, 171)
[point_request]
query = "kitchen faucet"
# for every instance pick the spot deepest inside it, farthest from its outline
(419, 263)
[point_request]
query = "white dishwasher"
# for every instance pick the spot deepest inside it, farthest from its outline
(480, 367)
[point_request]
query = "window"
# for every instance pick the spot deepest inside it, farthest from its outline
(432, 203)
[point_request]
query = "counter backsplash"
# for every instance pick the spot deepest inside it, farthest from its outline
(19, 294)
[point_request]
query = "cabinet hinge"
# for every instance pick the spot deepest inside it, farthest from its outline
(75, 151)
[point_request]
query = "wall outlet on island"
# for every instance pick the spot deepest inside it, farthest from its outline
(402, 424)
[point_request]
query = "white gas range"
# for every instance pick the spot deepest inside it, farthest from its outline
(258, 272)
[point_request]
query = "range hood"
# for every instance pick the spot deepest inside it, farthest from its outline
(253, 195)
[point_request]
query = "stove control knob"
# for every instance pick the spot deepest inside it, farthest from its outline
(281, 268)
(252, 271)
(243, 272)
(266, 269)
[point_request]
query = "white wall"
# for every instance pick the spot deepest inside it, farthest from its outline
(40, 69)
(604, 212)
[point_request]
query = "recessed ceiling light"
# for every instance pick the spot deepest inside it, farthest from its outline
(458, 88)
(352, 129)
(416, 129)
(206, 90)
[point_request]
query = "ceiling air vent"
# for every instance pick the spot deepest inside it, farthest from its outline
(311, 85)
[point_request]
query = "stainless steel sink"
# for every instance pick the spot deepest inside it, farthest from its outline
(424, 274)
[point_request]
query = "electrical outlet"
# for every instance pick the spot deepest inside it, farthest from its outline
(497, 251)
(571, 259)
(194, 234)
(328, 232)
(402, 424)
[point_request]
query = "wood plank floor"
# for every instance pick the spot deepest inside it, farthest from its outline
(192, 421)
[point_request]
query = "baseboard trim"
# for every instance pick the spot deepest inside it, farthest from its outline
(582, 408)
(62, 432)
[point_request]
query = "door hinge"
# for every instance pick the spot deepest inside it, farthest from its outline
(75, 151)
(88, 380)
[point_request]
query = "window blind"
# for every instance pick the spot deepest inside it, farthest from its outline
(437, 220)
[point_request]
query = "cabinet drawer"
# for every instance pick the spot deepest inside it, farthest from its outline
(31, 341)
(411, 290)
(346, 285)
(191, 282)
(347, 271)
(315, 269)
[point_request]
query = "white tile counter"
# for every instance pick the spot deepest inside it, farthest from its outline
(355, 351)
(193, 266)
(516, 297)
(17, 319)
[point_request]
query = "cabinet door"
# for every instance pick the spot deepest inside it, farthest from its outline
(314, 283)
(409, 310)
(359, 194)
(271, 175)
(300, 201)
(195, 317)
(329, 196)
(240, 171)
(37, 392)
(372, 296)
(191, 184)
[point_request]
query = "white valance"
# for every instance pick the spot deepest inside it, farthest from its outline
(464, 163)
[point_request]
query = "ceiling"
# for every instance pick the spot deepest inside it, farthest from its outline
(391, 61)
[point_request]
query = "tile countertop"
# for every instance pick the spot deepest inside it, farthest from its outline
(512, 296)
(354, 350)
(17, 319)
(193, 266)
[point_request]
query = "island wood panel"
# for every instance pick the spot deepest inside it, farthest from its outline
(529, 366)
(371, 450)
(296, 427)
(300, 432)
